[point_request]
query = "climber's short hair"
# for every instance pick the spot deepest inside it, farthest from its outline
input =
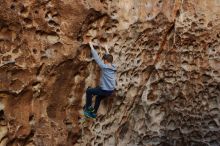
(108, 57)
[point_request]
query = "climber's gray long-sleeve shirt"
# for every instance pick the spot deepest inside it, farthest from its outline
(108, 76)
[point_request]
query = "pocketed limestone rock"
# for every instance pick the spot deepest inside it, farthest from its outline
(168, 72)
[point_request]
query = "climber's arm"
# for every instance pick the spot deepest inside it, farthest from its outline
(106, 50)
(96, 56)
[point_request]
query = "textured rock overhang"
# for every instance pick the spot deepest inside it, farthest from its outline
(168, 78)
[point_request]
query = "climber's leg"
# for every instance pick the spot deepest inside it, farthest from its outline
(97, 102)
(100, 94)
(99, 98)
(89, 93)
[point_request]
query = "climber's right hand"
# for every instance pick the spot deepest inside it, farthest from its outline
(91, 45)
(106, 48)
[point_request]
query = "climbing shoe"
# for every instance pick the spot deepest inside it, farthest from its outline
(94, 115)
(90, 114)
(90, 109)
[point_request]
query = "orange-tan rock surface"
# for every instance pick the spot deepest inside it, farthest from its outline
(168, 78)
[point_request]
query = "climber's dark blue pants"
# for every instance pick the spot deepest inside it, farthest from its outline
(100, 94)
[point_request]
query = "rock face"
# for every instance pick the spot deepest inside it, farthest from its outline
(168, 78)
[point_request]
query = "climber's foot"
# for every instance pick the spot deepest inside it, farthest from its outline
(90, 114)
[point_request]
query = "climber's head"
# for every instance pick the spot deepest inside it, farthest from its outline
(108, 58)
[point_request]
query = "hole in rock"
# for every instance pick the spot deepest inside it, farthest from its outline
(152, 97)
(103, 40)
(124, 130)
(51, 22)
(212, 124)
(23, 10)
(15, 51)
(159, 3)
(210, 24)
(51, 111)
(6, 58)
(31, 117)
(27, 20)
(35, 51)
(211, 56)
(108, 28)
(201, 20)
(55, 15)
(163, 123)
(39, 71)
(177, 13)
(98, 138)
(44, 57)
(1, 114)
(138, 61)
(47, 14)
(42, 52)
(12, 7)
(215, 72)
